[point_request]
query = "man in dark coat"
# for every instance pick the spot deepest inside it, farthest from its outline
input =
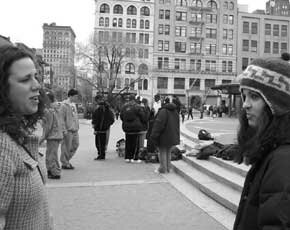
(102, 119)
(166, 133)
(133, 118)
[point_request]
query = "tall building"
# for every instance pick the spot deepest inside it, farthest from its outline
(128, 25)
(278, 7)
(194, 47)
(261, 35)
(59, 53)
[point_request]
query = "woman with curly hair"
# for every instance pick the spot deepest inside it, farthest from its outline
(264, 141)
(23, 200)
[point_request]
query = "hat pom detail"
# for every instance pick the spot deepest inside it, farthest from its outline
(285, 56)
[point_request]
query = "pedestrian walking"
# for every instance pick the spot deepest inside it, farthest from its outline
(53, 129)
(70, 141)
(190, 113)
(264, 138)
(165, 133)
(102, 119)
(183, 112)
(23, 199)
(133, 118)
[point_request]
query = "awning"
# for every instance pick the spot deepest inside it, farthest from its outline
(229, 88)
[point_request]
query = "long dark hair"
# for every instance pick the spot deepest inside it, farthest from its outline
(256, 143)
(15, 125)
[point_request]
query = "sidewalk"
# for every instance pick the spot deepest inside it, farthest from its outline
(112, 194)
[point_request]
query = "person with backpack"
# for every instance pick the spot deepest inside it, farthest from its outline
(133, 118)
(53, 130)
(102, 119)
(165, 133)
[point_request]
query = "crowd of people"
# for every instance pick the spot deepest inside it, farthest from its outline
(263, 138)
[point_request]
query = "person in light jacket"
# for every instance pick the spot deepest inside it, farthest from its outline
(165, 133)
(70, 141)
(264, 141)
(23, 199)
(53, 129)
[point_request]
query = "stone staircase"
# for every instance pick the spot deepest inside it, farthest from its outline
(220, 180)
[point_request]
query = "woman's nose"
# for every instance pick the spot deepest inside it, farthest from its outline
(246, 103)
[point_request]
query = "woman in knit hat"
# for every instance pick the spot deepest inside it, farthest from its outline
(264, 140)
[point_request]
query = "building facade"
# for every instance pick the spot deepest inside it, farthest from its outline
(128, 25)
(278, 7)
(261, 35)
(194, 47)
(59, 53)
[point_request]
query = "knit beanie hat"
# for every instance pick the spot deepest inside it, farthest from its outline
(270, 77)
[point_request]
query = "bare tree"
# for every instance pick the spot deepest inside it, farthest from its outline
(104, 61)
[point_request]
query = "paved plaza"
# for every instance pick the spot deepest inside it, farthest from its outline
(112, 194)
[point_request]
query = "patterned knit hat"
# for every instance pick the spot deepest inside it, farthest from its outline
(270, 77)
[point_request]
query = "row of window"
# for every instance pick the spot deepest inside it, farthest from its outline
(54, 33)
(104, 36)
(252, 46)
(132, 53)
(252, 28)
(197, 3)
(195, 65)
(131, 10)
(118, 22)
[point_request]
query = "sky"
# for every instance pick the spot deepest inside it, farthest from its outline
(22, 20)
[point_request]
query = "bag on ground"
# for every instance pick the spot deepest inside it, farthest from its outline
(204, 135)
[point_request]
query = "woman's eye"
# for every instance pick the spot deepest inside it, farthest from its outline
(255, 96)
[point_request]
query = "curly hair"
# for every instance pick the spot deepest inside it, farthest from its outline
(16, 125)
(256, 143)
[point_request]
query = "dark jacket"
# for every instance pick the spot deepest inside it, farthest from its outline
(165, 131)
(102, 117)
(133, 117)
(265, 200)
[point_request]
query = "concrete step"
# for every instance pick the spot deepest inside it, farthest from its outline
(217, 172)
(221, 193)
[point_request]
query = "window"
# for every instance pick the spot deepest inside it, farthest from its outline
(210, 49)
(211, 18)
(163, 63)
(225, 19)
(196, 3)
(194, 83)
(267, 48)
(283, 47)
(231, 6)
(133, 53)
(181, 2)
(245, 45)
(275, 30)
(211, 33)
(208, 83)
(132, 10)
(120, 22)
(118, 9)
(225, 33)
(230, 34)
(254, 46)
(166, 45)
(230, 49)
(179, 83)
(196, 31)
(224, 66)
(226, 5)
(162, 83)
(196, 17)
(167, 30)
(160, 45)
(230, 67)
(284, 30)
(181, 16)
(254, 28)
(167, 14)
(104, 8)
(180, 31)
(114, 22)
(134, 23)
(147, 24)
(145, 84)
(141, 24)
(101, 21)
(161, 14)
(212, 4)
(180, 47)
(179, 64)
(145, 11)
(245, 27)
(160, 29)
(245, 62)
(140, 53)
(231, 19)
(130, 68)
(106, 22)
(275, 47)
(267, 29)
(127, 52)
(224, 49)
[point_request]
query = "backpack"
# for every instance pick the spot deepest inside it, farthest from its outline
(176, 153)
(204, 135)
